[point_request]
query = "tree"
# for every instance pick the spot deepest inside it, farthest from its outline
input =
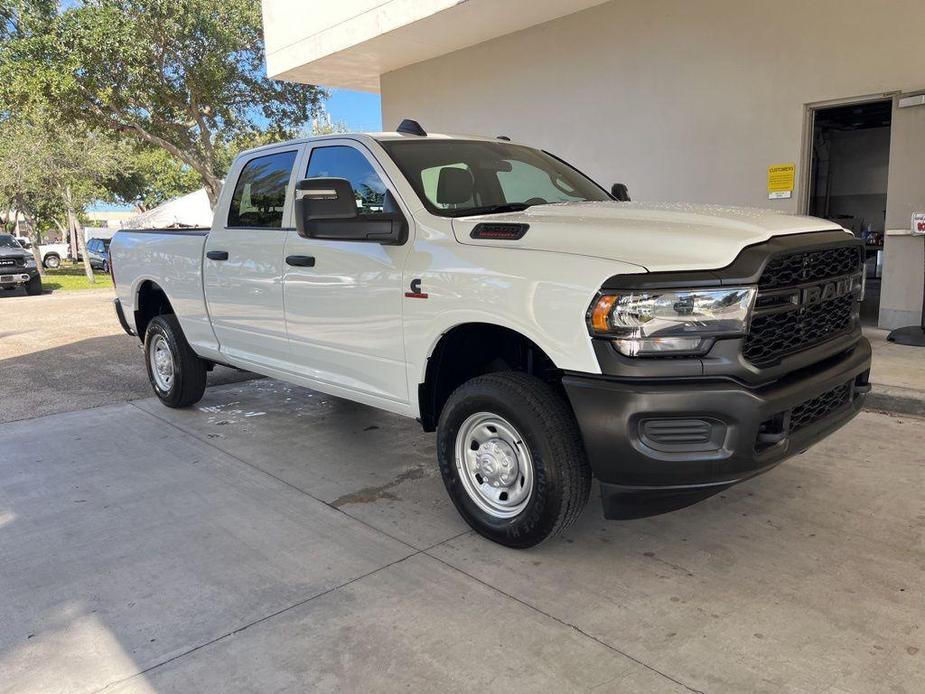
(19, 17)
(150, 177)
(186, 76)
(50, 174)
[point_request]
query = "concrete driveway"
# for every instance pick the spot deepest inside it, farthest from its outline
(66, 351)
(274, 539)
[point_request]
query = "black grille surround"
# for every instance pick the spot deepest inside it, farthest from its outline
(804, 298)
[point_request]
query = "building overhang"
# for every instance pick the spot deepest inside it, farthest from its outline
(352, 42)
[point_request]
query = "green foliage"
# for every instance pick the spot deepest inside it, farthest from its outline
(22, 17)
(186, 76)
(46, 170)
(150, 177)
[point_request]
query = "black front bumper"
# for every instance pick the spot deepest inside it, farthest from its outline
(666, 443)
(16, 276)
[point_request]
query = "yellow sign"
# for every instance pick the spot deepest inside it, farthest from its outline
(780, 181)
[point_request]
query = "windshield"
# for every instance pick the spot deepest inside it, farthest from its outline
(7, 241)
(455, 178)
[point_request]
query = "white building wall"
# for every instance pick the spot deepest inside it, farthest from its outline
(677, 99)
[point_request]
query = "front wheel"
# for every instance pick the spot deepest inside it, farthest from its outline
(177, 375)
(511, 458)
(51, 261)
(34, 286)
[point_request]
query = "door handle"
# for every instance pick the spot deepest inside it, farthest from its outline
(301, 260)
(217, 255)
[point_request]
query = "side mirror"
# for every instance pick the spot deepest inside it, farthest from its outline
(326, 208)
(620, 192)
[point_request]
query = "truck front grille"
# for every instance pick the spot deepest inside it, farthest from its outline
(810, 266)
(784, 424)
(804, 299)
(820, 407)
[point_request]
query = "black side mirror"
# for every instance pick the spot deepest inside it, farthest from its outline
(326, 208)
(620, 192)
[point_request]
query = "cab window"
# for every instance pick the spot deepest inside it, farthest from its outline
(260, 193)
(340, 161)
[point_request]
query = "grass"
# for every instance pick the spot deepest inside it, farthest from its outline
(71, 277)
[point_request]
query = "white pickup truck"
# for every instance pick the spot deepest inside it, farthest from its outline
(51, 253)
(547, 331)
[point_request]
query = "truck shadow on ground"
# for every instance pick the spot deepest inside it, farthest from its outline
(86, 373)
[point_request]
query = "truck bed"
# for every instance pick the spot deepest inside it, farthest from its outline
(171, 259)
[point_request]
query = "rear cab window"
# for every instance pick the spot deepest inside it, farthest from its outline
(259, 197)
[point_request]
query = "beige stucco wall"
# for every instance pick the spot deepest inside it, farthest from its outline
(679, 99)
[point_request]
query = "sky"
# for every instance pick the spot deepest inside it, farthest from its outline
(361, 111)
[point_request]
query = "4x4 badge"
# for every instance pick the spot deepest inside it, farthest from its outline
(415, 292)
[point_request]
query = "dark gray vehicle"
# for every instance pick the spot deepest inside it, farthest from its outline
(17, 267)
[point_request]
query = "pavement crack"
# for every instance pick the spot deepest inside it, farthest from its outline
(244, 627)
(569, 625)
(208, 442)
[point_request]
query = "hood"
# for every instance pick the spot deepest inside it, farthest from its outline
(14, 252)
(657, 237)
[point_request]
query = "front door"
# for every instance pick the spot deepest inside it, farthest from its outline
(344, 313)
(243, 267)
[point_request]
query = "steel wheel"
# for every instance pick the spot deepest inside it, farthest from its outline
(494, 465)
(162, 368)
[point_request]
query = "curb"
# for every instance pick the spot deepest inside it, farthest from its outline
(896, 400)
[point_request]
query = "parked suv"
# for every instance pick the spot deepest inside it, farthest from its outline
(548, 332)
(98, 250)
(17, 267)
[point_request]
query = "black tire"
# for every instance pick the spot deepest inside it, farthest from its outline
(547, 426)
(34, 286)
(105, 267)
(188, 382)
(51, 261)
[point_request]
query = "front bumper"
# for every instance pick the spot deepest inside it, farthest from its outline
(16, 276)
(671, 442)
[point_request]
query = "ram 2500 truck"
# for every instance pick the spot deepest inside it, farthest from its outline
(546, 331)
(17, 267)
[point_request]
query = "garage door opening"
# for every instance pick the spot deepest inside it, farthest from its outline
(848, 185)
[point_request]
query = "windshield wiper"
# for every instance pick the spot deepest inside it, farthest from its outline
(494, 209)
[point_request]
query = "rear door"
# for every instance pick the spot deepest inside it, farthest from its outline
(243, 267)
(344, 312)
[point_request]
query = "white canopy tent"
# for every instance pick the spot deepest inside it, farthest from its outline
(190, 210)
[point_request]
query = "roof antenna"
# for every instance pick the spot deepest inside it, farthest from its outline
(411, 127)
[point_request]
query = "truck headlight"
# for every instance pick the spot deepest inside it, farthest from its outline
(29, 263)
(666, 322)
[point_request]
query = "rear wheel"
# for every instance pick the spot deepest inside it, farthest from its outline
(512, 458)
(177, 375)
(34, 286)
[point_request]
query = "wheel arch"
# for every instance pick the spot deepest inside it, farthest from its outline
(150, 300)
(472, 349)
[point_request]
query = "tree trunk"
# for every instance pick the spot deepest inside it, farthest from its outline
(213, 188)
(33, 231)
(74, 224)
